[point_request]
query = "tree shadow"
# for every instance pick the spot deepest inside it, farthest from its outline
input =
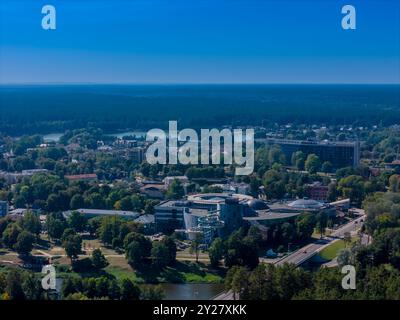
(175, 273)
(43, 244)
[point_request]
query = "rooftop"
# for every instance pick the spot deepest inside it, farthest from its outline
(217, 197)
(153, 187)
(171, 178)
(81, 176)
(18, 211)
(174, 203)
(101, 212)
(257, 204)
(317, 143)
(272, 215)
(306, 204)
(199, 212)
(145, 219)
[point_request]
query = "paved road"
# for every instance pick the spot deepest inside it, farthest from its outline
(307, 252)
(303, 254)
(47, 255)
(224, 296)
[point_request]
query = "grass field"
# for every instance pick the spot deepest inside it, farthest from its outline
(207, 278)
(120, 272)
(183, 271)
(180, 272)
(331, 251)
(317, 235)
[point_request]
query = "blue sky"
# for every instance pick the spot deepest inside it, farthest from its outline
(199, 41)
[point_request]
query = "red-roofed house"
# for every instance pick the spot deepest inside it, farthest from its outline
(82, 177)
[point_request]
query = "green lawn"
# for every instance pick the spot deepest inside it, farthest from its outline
(208, 277)
(122, 273)
(180, 272)
(317, 235)
(331, 251)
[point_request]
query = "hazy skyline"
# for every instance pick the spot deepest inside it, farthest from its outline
(177, 41)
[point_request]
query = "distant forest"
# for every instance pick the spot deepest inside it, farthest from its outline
(46, 109)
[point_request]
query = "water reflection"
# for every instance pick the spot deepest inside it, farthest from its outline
(191, 291)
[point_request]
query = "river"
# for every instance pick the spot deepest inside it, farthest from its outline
(181, 291)
(52, 137)
(191, 291)
(55, 137)
(120, 135)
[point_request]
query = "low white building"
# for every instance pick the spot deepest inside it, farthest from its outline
(234, 187)
(91, 213)
(182, 179)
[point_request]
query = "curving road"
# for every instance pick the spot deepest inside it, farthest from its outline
(303, 254)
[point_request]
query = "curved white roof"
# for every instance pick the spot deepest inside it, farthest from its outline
(306, 204)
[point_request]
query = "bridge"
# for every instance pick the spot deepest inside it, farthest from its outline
(307, 252)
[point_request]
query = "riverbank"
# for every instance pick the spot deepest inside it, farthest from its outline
(182, 281)
(180, 272)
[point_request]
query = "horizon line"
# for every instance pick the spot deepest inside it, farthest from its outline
(192, 83)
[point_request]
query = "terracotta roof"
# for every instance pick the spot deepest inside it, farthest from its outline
(153, 186)
(81, 176)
